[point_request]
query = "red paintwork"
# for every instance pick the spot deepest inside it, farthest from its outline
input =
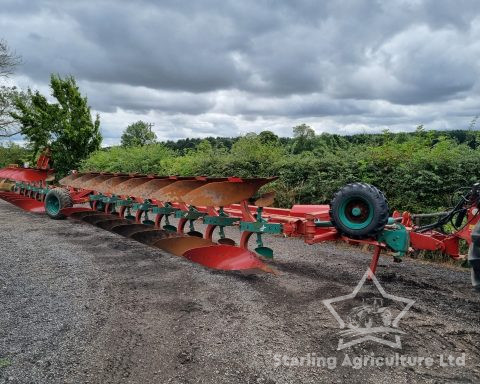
(319, 211)
(374, 262)
(23, 202)
(328, 234)
(436, 241)
(36, 175)
(24, 174)
(43, 161)
(80, 196)
(426, 241)
(227, 258)
(300, 220)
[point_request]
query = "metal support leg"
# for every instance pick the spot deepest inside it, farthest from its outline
(374, 262)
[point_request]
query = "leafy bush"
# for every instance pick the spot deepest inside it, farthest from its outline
(417, 172)
(11, 153)
(147, 159)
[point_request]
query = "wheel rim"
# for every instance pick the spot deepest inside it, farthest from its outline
(356, 213)
(52, 205)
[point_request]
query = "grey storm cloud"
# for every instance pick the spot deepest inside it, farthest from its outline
(225, 67)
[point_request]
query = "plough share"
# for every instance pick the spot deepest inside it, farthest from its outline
(142, 207)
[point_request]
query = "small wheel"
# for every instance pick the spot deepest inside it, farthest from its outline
(55, 200)
(359, 211)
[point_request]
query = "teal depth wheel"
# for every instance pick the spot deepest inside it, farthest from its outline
(359, 211)
(55, 200)
(52, 205)
(356, 213)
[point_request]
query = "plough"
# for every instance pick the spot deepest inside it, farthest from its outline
(142, 207)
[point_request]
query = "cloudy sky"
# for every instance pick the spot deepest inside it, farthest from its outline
(226, 67)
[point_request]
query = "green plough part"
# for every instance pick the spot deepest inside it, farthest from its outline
(96, 197)
(191, 214)
(396, 238)
(166, 210)
(221, 221)
(110, 199)
(261, 227)
(124, 203)
(145, 206)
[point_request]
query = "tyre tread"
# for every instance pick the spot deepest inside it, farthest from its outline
(380, 216)
(65, 199)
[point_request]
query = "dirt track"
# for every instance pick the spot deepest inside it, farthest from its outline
(79, 304)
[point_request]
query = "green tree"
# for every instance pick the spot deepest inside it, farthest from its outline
(138, 134)
(8, 125)
(8, 61)
(66, 126)
(154, 158)
(304, 138)
(11, 153)
(268, 137)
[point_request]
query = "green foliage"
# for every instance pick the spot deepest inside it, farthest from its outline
(417, 171)
(147, 159)
(11, 153)
(202, 160)
(66, 126)
(35, 115)
(8, 61)
(8, 126)
(138, 134)
(182, 146)
(421, 173)
(304, 138)
(249, 157)
(268, 137)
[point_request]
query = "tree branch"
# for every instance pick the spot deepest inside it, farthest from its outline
(8, 59)
(10, 134)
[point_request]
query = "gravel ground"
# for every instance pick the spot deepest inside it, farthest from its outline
(82, 305)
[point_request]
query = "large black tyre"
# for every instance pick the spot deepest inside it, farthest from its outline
(474, 257)
(359, 211)
(55, 200)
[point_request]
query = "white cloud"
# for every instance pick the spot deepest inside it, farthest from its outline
(214, 68)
